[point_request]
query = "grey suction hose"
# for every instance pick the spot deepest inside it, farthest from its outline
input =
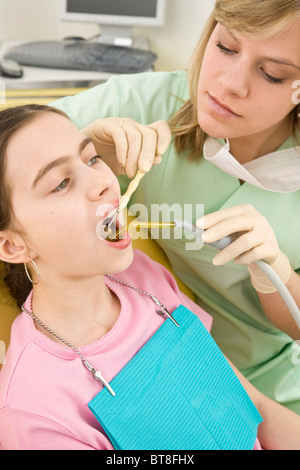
(263, 265)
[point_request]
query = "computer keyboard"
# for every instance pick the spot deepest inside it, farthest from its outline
(80, 55)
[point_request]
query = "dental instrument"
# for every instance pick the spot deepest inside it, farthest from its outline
(124, 200)
(220, 245)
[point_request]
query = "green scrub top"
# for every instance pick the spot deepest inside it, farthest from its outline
(265, 355)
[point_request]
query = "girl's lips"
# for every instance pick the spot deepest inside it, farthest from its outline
(105, 236)
(121, 244)
(107, 208)
(220, 109)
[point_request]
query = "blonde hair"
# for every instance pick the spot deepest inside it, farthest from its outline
(259, 19)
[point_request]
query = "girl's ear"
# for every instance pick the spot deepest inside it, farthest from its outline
(13, 249)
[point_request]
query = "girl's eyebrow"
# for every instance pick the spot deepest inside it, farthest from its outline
(278, 60)
(59, 161)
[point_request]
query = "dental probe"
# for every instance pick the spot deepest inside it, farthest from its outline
(125, 198)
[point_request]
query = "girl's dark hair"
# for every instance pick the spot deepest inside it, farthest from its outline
(12, 120)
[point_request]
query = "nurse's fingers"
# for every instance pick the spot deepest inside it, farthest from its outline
(161, 136)
(253, 236)
(232, 225)
(148, 150)
(121, 146)
(164, 136)
(209, 220)
(247, 248)
(108, 133)
(142, 143)
(134, 144)
(157, 160)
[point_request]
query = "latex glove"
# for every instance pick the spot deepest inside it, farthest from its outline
(254, 238)
(126, 145)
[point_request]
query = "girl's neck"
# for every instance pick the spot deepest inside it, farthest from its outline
(79, 312)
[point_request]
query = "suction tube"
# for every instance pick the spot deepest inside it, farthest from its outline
(263, 265)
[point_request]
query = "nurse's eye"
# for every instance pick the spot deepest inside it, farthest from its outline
(62, 185)
(224, 49)
(271, 79)
(94, 160)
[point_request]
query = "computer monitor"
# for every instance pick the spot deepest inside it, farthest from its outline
(115, 17)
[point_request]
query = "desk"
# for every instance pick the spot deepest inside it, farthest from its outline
(44, 78)
(42, 85)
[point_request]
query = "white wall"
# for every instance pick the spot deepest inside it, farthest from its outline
(174, 43)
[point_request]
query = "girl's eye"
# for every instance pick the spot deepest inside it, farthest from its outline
(94, 160)
(66, 181)
(225, 50)
(62, 185)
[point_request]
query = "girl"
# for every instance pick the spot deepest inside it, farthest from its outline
(235, 123)
(54, 191)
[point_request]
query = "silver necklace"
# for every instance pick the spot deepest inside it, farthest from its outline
(96, 373)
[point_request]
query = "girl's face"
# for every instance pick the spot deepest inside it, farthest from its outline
(61, 191)
(246, 86)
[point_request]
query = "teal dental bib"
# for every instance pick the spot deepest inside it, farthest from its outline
(178, 393)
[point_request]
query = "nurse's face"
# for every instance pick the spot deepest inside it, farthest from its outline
(246, 86)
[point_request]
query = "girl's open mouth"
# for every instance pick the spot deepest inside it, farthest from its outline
(116, 235)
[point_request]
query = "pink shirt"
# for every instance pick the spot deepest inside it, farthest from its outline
(44, 387)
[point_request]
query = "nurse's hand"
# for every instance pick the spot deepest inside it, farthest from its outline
(126, 145)
(253, 237)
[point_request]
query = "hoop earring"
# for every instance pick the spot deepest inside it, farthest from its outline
(37, 271)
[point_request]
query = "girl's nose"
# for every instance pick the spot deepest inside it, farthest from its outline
(99, 182)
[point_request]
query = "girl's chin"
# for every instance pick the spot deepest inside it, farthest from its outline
(123, 262)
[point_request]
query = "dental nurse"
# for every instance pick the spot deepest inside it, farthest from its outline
(235, 124)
